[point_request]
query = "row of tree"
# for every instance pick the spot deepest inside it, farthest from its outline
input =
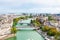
(15, 21)
(51, 31)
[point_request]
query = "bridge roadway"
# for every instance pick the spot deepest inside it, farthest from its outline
(26, 28)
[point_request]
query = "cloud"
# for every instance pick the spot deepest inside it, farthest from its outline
(38, 6)
(20, 2)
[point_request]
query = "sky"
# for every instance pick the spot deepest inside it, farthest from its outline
(29, 6)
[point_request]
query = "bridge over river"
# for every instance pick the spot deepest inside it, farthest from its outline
(24, 27)
(26, 32)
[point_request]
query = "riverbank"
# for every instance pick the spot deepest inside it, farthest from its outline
(7, 36)
(45, 36)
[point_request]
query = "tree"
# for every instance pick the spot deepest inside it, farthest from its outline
(45, 28)
(15, 21)
(31, 21)
(22, 17)
(52, 32)
(35, 22)
(13, 30)
(26, 17)
(57, 36)
(49, 18)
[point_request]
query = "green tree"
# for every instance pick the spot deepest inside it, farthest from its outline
(45, 28)
(52, 32)
(31, 21)
(49, 18)
(13, 30)
(57, 36)
(15, 21)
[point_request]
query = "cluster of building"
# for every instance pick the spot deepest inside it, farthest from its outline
(6, 22)
(53, 23)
